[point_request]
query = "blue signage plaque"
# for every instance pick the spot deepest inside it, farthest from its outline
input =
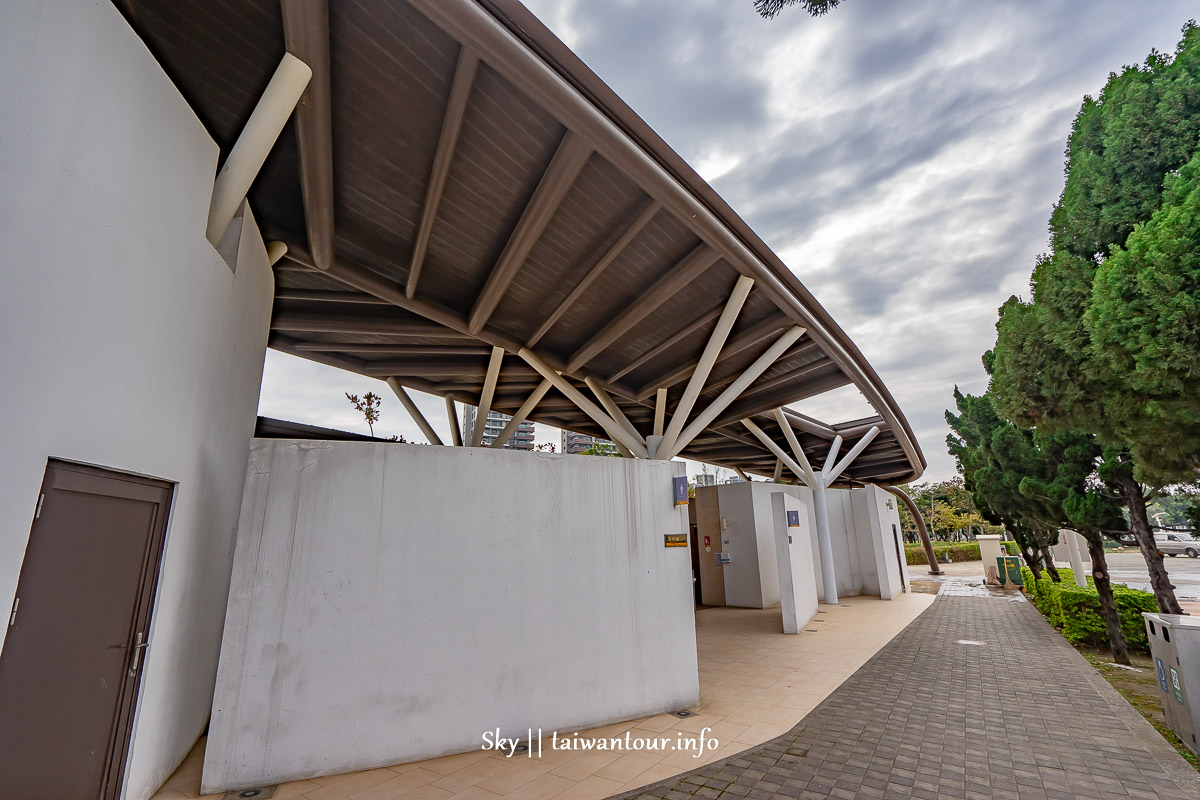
(681, 491)
(793, 519)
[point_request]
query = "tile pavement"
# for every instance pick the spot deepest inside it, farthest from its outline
(932, 716)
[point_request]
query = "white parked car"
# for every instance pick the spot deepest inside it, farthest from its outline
(1172, 544)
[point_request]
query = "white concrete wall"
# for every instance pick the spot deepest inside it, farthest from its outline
(393, 602)
(798, 600)
(125, 340)
(864, 545)
(741, 539)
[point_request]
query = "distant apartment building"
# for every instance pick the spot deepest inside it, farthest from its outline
(705, 479)
(575, 443)
(522, 438)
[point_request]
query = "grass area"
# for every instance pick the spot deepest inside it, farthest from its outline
(1140, 689)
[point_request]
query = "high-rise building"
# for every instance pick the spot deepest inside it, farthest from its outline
(522, 438)
(575, 443)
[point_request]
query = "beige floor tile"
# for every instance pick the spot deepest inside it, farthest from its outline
(286, 791)
(514, 776)
(470, 775)
(427, 792)
(338, 787)
(397, 785)
(542, 788)
(586, 764)
(475, 793)
(448, 764)
(628, 766)
(755, 684)
(591, 788)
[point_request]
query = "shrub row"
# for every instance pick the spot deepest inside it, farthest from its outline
(958, 551)
(1076, 611)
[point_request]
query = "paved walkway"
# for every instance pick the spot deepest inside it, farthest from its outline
(980, 660)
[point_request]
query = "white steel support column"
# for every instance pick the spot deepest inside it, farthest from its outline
(612, 408)
(534, 398)
(452, 416)
(414, 412)
(255, 142)
(859, 446)
(781, 457)
(808, 477)
(695, 384)
(485, 398)
(741, 474)
(824, 541)
(660, 411)
(731, 393)
(614, 430)
(778, 471)
(831, 456)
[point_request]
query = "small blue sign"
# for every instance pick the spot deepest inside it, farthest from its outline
(681, 491)
(793, 519)
(1162, 675)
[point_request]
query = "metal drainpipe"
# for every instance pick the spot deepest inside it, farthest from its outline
(828, 576)
(912, 509)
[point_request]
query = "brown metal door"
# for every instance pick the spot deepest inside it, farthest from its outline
(70, 666)
(708, 529)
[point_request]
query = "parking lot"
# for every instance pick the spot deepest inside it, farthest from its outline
(1130, 569)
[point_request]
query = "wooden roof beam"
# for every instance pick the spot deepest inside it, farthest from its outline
(649, 209)
(452, 119)
(663, 346)
(688, 269)
(573, 152)
(756, 334)
(307, 322)
(323, 296)
(306, 35)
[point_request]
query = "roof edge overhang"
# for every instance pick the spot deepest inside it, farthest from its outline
(508, 32)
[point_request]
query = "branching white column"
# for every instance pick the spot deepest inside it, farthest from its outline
(254, 143)
(708, 357)
(824, 540)
(452, 415)
(414, 412)
(534, 398)
(614, 430)
(485, 398)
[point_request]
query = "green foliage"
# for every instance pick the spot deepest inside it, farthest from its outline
(815, 8)
(1108, 343)
(1077, 610)
(1144, 323)
(957, 551)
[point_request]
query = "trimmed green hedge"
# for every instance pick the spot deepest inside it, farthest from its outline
(1012, 548)
(1077, 611)
(958, 551)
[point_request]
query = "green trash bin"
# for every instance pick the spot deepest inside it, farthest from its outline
(1009, 570)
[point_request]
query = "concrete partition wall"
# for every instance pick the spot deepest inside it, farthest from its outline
(126, 341)
(393, 602)
(793, 553)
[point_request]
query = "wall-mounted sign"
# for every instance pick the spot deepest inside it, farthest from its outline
(1176, 684)
(681, 490)
(1162, 676)
(675, 540)
(793, 519)
(723, 558)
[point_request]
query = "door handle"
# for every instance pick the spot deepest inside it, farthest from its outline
(138, 644)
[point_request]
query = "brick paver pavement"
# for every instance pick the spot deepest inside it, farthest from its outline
(1017, 716)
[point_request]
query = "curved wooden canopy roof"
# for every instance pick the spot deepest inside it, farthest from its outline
(455, 179)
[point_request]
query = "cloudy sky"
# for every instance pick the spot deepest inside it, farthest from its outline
(901, 157)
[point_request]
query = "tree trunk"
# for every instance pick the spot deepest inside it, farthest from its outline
(1139, 523)
(1031, 561)
(1108, 603)
(1053, 570)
